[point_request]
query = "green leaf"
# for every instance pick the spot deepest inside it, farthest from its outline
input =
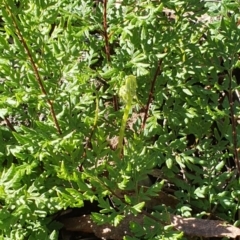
(53, 235)
(169, 163)
(3, 112)
(201, 192)
(117, 220)
(138, 207)
(187, 91)
(109, 73)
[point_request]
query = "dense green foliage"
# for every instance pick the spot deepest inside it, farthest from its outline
(62, 64)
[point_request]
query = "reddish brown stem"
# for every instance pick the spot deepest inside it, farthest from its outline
(107, 47)
(10, 126)
(150, 96)
(234, 128)
(37, 75)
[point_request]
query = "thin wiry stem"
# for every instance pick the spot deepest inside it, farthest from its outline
(9, 124)
(233, 120)
(150, 96)
(107, 46)
(35, 69)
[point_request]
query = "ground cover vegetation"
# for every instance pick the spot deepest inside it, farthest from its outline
(129, 105)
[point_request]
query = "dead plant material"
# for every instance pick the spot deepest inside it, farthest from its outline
(190, 226)
(204, 227)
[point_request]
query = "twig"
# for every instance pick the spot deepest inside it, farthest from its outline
(9, 124)
(150, 96)
(234, 128)
(107, 47)
(35, 69)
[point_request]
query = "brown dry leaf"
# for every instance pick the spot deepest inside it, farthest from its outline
(204, 227)
(105, 231)
(190, 226)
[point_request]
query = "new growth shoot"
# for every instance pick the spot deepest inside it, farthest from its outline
(127, 93)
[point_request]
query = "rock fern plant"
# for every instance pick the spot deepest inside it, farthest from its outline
(62, 65)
